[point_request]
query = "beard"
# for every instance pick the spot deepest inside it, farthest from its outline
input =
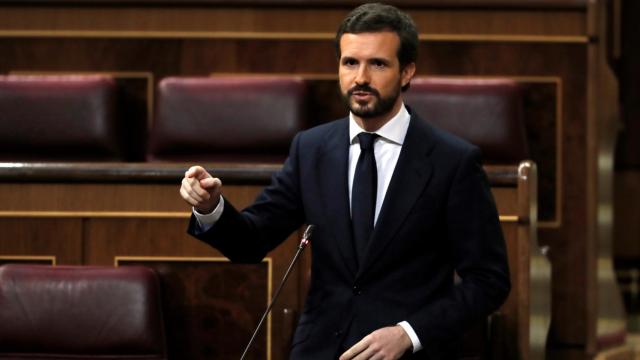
(376, 107)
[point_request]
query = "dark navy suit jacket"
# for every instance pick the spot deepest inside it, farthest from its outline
(438, 217)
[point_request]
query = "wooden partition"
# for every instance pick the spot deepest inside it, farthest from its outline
(122, 214)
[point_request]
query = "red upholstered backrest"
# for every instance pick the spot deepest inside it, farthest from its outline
(80, 312)
(58, 118)
(487, 113)
(226, 118)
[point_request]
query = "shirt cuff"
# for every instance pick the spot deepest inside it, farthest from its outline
(206, 221)
(417, 346)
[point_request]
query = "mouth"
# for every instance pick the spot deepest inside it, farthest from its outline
(362, 96)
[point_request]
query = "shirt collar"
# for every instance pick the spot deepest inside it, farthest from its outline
(394, 130)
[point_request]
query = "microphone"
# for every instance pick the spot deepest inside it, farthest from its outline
(306, 237)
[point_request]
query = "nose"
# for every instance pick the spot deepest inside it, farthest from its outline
(363, 75)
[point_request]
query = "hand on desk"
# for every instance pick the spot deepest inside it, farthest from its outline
(200, 189)
(388, 343)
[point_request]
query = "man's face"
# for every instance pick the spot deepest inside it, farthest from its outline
(370, 75)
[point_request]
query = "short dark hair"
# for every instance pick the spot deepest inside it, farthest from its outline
(377, 17)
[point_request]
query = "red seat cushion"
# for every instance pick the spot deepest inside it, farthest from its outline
(226, 118)
(487, 113)
(87, 312)
(58, 118)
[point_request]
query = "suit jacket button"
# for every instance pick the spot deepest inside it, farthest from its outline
(337, 333)
(357, 290)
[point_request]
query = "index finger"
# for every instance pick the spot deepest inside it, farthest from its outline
(197, 172)
(356, 349)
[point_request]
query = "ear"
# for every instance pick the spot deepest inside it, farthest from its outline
(407, 73)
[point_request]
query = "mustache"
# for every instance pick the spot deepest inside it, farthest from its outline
(363, 88)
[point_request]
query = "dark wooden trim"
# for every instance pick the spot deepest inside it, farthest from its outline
(444, 4)
(255, 173)
(236, 173)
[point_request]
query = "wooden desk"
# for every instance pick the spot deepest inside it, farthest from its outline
(124, 213)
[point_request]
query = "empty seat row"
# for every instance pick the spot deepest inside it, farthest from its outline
(77, 118)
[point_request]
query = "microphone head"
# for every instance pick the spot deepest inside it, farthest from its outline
(308, 232)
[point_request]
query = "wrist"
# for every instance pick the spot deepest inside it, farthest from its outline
(405, 340)
(203, 211)
(206, 210)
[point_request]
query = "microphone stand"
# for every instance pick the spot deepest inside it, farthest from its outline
(303, 244)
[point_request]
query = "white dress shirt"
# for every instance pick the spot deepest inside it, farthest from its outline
(386, 149)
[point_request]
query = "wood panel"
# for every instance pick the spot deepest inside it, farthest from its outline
(303, 22)
(509, 340)
(211, 306)
(106, 239)
(56, 239)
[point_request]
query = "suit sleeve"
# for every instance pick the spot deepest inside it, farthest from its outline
(246, 236)
(478, 250)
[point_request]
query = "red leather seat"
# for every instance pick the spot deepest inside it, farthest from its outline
(485, 112)
(78, 312)
(61, 118)
(226, 118)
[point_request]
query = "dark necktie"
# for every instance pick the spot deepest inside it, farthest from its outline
(363, 194)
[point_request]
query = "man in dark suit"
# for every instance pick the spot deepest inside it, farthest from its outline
(399, 208)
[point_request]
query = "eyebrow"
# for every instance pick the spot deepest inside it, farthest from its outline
(374, 59)
(382, 60)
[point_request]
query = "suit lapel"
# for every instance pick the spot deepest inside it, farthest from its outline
(411, 175)
(334, 165)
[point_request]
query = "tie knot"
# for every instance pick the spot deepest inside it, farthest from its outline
(366, 140)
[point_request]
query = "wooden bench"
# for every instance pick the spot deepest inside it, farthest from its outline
(130, 213)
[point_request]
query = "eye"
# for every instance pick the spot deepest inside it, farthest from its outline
(349, 62)
(378, 63)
